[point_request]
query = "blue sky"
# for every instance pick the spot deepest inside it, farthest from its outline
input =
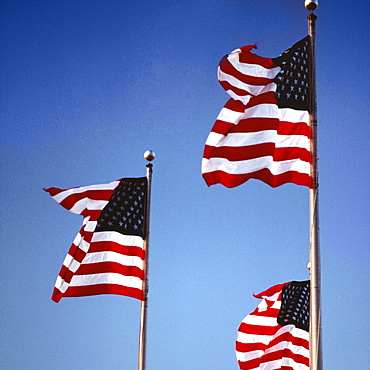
(86, 87)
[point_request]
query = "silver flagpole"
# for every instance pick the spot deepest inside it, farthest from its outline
(315, 268)
(149, 156)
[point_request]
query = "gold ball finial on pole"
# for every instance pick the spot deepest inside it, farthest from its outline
(149, 155)
(311, 5)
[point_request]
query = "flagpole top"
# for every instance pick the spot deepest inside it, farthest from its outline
(149, 155)
(311, 5)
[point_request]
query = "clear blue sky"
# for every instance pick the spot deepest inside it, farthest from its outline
(85, 88)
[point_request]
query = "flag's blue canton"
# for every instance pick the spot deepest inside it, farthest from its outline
(295, 305)
(293, 79)
(124, 212)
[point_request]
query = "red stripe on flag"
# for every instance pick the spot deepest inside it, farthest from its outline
(228, 68)
(233, 180)
(127, 250)
(98, 289)
(238, 91)
(257, 329)
(244, 153)
(250, 58)
(109, 267)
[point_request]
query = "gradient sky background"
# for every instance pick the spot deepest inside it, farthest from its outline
(86, 87)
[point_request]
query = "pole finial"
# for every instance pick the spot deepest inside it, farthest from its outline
(311, 5)
(149, 155)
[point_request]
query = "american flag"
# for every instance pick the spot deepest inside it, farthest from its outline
(276, 334)
(107, 255)
(263, 131)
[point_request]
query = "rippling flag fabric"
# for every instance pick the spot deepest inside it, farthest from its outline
(263, 130)
(107, 255)
(276, 334)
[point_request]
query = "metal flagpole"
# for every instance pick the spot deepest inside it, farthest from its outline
(315, 268)
(149, 156)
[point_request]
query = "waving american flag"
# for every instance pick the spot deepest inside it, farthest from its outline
(263, 130)
(276, 334)
(107, 255)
